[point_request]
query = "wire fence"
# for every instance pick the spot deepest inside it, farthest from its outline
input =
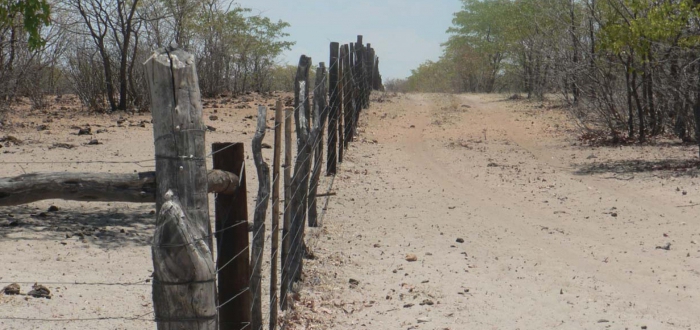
(349, 92)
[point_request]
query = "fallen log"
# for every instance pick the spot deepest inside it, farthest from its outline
(97, 187)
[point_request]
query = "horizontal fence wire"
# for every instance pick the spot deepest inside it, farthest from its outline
(295, 240)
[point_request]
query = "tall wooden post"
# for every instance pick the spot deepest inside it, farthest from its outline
(184, 288)
(332, 162)
(341, 99)
(321, 111)
(302, 167)
(259, 218)
(232, 241)
(275, 213)
(287, 228)
(350, 112)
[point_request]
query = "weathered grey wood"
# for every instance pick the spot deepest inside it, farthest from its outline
(184, 288)
(232, 240)
(96, 187)
(321, 112)
(287, 218)
(341, 102)
(348, 88)
(332, 162)
(300, 179)
(184, 271)
(259, 219)
(279, 121)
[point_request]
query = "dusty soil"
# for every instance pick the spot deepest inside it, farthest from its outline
(106, 245)
(512, 222)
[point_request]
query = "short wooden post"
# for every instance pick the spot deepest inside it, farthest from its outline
(287, 218)
(184, 291)
(320, 114)
(332, 162)
(232, 241)
(302, 166)
(341, 104)
(275, 213)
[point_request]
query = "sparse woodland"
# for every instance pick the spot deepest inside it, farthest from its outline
(94, 49)
(628, 68)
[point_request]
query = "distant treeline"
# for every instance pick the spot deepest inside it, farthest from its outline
(95, 48)
(628, 67)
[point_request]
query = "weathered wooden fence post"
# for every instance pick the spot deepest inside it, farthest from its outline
(350, 112)
(275, 214)
(184, 287)
(331, 163)
(287, 218)
(347, 94)
(259, 218)
(321, 111)
(300, 180)
(232, 241)
(341, 104)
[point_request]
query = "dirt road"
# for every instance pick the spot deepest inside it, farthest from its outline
(513, 223)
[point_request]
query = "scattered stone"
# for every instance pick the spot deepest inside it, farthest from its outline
(411, 257)
(427, 302)
(42, 127)
(39, 291)
(12, 289)
(94, 142)
(666, 247)
(85, 131)
(53, 208)
(213, 117)
(62, 145)
(266, 146)
(423, 320)
(592, 156)
(603, 321)
(460, 240)
(211, 128)
(409, 305)
(353, 282)
(613, 214)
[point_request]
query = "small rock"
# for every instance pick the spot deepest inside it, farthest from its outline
(94, 142)
(460, 240)
(603, 321)
(212, 117)
(12, 289)
(427, 302)
(85, 131)
(53, 208)
(423, 320)
(613, 214)
(666, 247)
(266, 146)
(411, 257)
(409, 305)
(211, 128)
(42, 127)
(39, 291)
(354, 282)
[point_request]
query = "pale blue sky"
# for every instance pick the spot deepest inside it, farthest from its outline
(404, 33)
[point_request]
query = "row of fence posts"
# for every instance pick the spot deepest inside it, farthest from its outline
(190, 291)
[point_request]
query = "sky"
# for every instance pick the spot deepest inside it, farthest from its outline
(404, 33)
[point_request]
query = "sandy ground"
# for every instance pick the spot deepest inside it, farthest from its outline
(514, 224)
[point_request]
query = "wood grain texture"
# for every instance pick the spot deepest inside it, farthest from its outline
(258, 247)
(321, 112)
(184, 288)
(96, 187)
